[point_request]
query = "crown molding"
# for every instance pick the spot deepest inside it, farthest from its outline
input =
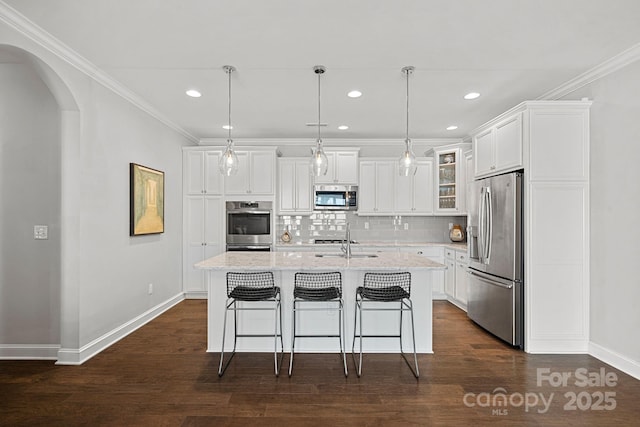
(328, 142)
(26, 27)
(609, 66)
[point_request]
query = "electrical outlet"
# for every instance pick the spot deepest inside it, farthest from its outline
(406, 225)
(150, 288)
(40, 232)
(450, 225)
(366, 225)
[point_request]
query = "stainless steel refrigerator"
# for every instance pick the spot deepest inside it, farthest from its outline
(496, 267)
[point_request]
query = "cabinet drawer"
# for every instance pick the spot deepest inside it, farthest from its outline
(449, 253)
(461, 257)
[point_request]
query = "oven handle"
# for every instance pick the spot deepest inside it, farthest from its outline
(248, 211)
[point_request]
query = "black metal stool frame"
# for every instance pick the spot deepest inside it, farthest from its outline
(237, 291)
(397, 292)
(314, 287)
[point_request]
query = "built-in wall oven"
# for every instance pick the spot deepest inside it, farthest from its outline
(249, 226)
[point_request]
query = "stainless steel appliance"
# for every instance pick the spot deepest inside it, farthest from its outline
(495, 236)
(335, 197)
(249, 226)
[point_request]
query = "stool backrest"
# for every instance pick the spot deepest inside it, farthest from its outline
(250, 285)
(387, 286)
(316, 285)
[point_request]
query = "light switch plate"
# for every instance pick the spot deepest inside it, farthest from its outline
(40, 232)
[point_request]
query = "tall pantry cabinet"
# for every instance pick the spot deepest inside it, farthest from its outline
(203, 213)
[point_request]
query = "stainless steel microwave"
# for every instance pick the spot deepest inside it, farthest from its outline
(335, 197)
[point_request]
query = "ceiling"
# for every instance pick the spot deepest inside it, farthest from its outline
(507, 50)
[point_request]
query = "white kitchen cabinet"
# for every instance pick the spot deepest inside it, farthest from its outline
(200, 172)
(499, 148)
(456, 282)
(256, 174)
(294, 187)
(449, 181)
(375, 192)
(469, 173)
(461, 290)
(202, 239)
(413, 195)
(343, 168)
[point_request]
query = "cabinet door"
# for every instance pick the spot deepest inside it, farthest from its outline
(213, 179)
(367, 188)
(262, 172)
(346, 167)
(483, 153)
(461, 282)
(508, 143)
(303, 191)
(330, 177)
(385, 178)
(193, 278)
(448, 181)
(423, 188)
(286, 186)
(239, 183)
(403, 193)
(450, 278)
(213, 235)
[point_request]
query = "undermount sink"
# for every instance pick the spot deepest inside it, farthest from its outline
(344, 256)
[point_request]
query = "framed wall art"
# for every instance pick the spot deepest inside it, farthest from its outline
(146, 200)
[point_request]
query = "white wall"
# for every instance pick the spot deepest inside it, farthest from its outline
(30, 194)
(104, 272)
(615, 203)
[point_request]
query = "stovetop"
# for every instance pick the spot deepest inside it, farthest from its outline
(332, 241)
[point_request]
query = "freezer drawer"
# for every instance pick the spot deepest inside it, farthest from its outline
(497, 306)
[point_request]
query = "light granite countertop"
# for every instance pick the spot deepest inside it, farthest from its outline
(309, 261)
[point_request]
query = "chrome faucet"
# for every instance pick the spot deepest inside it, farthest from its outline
(346, 245)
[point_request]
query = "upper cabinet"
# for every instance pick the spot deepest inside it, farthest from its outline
(200, 174)
(294, 186)
(449, 180)
(375, 192)
(256, 174)
(343, 168)
(413, 195)
(498, 148)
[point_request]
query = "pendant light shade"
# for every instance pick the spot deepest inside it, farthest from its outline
(228, 164)
(407, 164)
(319, 163)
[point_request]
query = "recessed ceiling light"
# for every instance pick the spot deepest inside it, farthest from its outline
(343, 127)
(452, 127)
(193, 93)
(227, 127)
(354, 94)
(472, 95)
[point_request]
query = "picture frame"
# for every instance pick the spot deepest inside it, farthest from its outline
(146, 208)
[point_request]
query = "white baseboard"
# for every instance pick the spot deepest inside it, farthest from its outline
(195, 295)
(72, 356)
(618, 361)
(29, 351)
(548, 346)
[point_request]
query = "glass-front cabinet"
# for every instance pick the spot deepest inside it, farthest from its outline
(449, 181)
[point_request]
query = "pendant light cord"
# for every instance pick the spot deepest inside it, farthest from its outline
(319, 73)
(229, 70)
(407, 71)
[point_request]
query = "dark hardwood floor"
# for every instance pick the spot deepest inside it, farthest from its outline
(161, 375)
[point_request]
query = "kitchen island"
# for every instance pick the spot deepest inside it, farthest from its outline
(284, 265)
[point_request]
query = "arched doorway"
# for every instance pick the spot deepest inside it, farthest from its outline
(39, 122)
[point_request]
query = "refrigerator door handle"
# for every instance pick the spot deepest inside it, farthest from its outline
(490, 281)
(489, 234)
(481, 226)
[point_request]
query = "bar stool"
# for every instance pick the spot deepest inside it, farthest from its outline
(384, 288)
(312, 288)
(250, 287)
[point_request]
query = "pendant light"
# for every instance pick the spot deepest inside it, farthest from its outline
(228, 164)
(319, 162)
(407, 164)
